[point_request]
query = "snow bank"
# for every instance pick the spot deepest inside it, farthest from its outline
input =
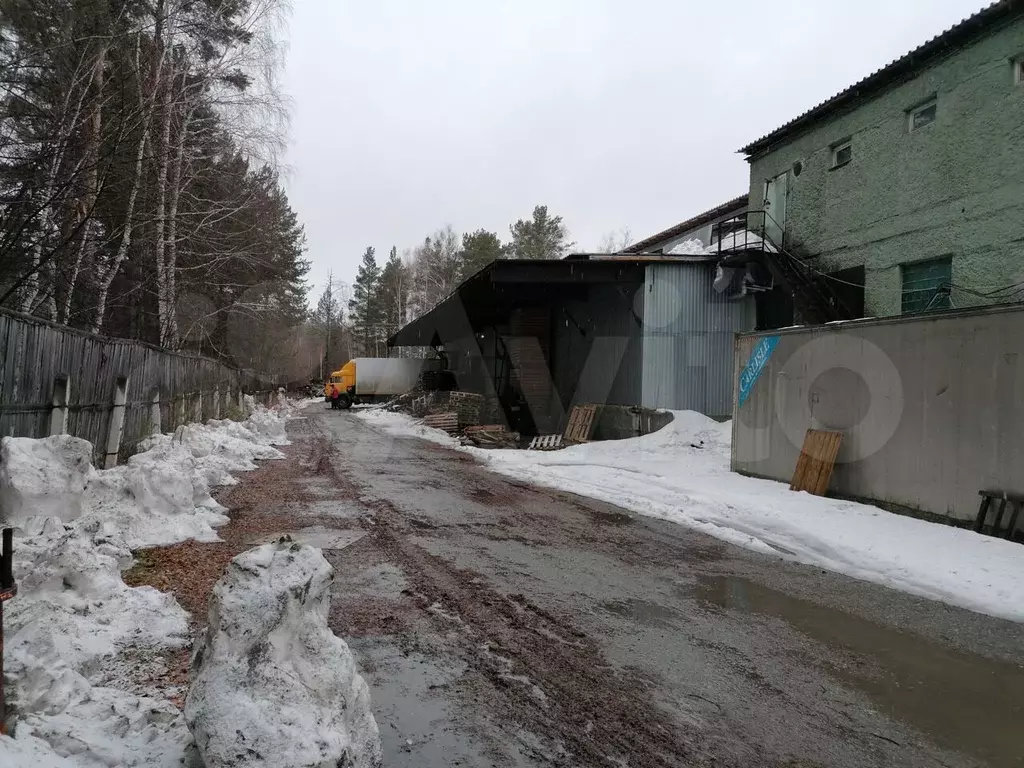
(74, 615)
(681, 473)
(272, 684)
(43, 477)
(401, 425)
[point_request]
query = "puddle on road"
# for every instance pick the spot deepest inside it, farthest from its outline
(964, 702)
(642, 611)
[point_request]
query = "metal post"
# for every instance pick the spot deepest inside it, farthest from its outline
(8, 589)
(59, 405)
(115, 425)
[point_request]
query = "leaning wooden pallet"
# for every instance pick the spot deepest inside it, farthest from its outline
(816, 462)
(581, 423)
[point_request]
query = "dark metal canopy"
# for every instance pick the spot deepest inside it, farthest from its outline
(488, 298)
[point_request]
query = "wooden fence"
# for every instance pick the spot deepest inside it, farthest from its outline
(111, 392)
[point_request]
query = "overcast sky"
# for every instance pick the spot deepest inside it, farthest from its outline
(412, 114)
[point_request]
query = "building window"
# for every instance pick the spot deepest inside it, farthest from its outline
(1018, 71)
(926, 285)
(923, 115)
(842, 153)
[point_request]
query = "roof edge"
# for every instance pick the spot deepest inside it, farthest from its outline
(700, 219)
(971, 28)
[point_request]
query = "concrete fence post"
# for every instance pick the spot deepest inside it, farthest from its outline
(154, 411)
(197, 407)
(115, 425)
(59, 407)
(216, 402)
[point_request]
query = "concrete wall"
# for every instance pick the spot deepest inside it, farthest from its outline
(932, 407)
(688, 339)
(952, 188)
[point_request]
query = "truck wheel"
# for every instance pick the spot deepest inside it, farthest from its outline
(344, 402)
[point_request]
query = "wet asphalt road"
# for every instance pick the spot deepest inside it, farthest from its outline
(502, 625)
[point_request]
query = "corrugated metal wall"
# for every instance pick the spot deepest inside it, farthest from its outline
(33, 354)
(930, 407)
(688, 339)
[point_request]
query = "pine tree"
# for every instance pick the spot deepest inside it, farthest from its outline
(542, 237)
(364, 308)
(393, 294)
(329, 328)
(479, 249)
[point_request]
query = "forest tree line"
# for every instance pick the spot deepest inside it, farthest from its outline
(388, 292)
(139, 186)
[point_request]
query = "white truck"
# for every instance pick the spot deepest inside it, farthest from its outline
(373, 379)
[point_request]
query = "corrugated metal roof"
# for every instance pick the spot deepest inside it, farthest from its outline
(960, 34)
(700, 219)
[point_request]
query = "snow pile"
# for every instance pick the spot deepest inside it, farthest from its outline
(43, 477)
(745, 239)
(30, 752)
(272, 684)
(681, 473)
(403, 425)
(160, 497)
(74, 615)
(691, 247)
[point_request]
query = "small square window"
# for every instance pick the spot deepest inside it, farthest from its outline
(923, 115)
(842, 154)
(926, 285)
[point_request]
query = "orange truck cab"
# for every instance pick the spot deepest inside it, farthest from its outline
(340, 389)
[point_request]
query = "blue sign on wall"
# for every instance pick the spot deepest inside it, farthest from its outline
(758, 360)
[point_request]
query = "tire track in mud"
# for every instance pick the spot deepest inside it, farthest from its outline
(540, 674)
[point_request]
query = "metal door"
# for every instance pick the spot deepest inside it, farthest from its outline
(775, 208)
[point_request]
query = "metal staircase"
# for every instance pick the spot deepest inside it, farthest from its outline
(753, 239)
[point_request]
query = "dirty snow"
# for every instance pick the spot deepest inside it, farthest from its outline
(309, 707)
(681, 473)
(76, 528)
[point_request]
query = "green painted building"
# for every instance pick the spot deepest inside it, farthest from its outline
(910, 182)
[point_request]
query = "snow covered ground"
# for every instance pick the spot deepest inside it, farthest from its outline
(74, 615)
(681, 473)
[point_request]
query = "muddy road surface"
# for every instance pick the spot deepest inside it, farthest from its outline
(500, 624)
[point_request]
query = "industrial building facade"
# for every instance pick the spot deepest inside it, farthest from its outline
(543, 336)
(910, 183)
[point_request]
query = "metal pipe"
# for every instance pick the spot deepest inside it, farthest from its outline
(8, 589)
(3, 703)
(7, 560)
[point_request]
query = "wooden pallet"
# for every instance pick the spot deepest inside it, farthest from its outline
(816, 462)
(581, 423)
(449, 422)
(546, 443)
